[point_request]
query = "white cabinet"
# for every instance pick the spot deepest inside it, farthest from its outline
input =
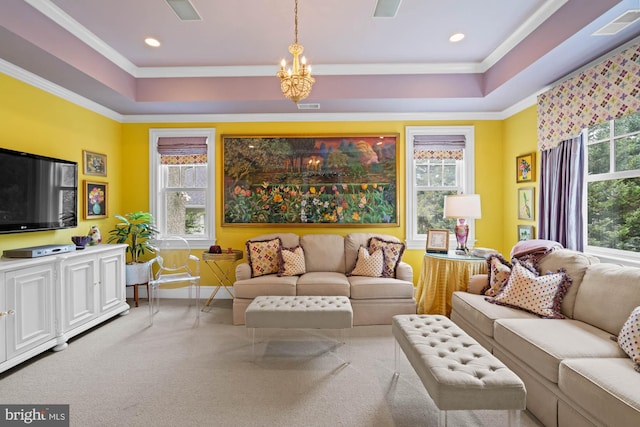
(45, 301)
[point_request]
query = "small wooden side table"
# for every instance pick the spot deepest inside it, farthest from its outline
(221, 265)
(441, 276)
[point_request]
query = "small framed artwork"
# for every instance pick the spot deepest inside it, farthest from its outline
(525, 232)
(437, 241)
(95, 199)
(94, 163)
(526, 206)
(526, 168)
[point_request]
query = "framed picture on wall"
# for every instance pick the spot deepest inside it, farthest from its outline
(525, 232)
(526, 206)
(95, 199)
(94, 163)
(437, 241)
(526, 168)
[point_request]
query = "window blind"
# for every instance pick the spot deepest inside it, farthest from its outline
(438, 147)
(182, 150)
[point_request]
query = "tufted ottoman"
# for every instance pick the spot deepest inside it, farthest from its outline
(303, 312)
(458, 373)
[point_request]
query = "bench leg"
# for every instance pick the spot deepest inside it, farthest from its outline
(442, 419)
(253, 344)
(514, 418)
(396, 359)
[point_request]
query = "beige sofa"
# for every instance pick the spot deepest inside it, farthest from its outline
(575, 374)
(329, 258)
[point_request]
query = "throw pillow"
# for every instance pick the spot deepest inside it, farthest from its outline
(392, 252)
(499, 272)
(367, 264)
(629, 337)
(292, 262)
(541, 295)
(263, 256)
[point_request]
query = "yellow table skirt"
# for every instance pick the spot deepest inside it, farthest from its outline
(441, 275)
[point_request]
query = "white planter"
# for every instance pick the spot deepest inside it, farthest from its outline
(138, 273)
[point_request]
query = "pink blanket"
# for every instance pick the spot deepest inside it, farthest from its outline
(535, 247)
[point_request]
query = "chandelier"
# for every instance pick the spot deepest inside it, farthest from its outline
(296, 82)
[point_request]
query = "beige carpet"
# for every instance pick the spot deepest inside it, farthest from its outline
(178, 373)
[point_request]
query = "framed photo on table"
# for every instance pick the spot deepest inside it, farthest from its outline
(437, 241)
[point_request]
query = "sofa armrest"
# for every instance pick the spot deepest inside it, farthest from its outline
(404, 272)
(243, 271)
(477, 283)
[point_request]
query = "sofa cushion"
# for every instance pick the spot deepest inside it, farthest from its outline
(323, 252)
(607, 295)
(292, 262)
(575, 264)
(499, 272)
(264, 256)
(606, 387)
(540, 295)
(392, 254)
(544, 343)
(481, 314)
(629, 337)
(379, 287)
(323, 284)
(353, 241)
(288, 240)
(369, 265)
(265, 285)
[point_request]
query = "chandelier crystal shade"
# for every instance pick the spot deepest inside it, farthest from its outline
(296, 82)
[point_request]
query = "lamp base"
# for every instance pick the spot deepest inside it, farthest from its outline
(462, 232)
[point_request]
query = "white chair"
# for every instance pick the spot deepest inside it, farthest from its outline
(175, 265)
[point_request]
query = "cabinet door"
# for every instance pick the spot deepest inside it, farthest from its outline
(30, 304)
(79, 291)
(3, 323)
(112, 287)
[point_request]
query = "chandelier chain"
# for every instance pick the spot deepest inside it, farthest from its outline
(295, 12)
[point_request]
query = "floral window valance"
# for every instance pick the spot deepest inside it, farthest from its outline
(608, 90)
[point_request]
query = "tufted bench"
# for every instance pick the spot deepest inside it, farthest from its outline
(303, 312)
(458, 373)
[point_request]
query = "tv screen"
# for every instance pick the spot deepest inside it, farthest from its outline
(37, 192)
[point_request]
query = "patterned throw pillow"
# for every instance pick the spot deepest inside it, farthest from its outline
(629, 337)
(292, 262)
(392, 252)
(370, 265)
(263, 256)
(541, 295)
(499, 272)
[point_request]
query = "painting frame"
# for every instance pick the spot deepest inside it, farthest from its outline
(95, 199)
(94, 163)
(333, 180)
(437, 241)
(526, 204)
(526, 168)
(526, 232)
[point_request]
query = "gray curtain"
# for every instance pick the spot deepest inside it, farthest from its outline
(561, 192)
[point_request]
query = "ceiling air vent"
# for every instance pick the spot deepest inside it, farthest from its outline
(185, 10)
(618, 24)
(310, 106)
(386, 8)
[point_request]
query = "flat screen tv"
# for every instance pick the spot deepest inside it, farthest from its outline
(36, 192)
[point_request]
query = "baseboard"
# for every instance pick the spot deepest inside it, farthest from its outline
(179, 293)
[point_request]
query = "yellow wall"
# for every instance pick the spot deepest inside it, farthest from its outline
(35, 121)
(520, 135)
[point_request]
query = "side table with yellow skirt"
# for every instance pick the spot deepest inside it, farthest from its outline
(441, 276)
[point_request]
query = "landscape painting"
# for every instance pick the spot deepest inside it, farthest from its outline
(328, 180)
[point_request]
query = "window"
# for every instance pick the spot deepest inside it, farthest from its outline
(182, 183)
(613, 187)
(439, 162)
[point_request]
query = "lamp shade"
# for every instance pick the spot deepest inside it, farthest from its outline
(462, 206)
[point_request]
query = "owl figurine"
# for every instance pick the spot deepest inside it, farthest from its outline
(95, 235)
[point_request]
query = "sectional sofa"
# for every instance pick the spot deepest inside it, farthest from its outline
(575, 372)
(325, 270)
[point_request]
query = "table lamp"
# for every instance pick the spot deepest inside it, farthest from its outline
(462, 207)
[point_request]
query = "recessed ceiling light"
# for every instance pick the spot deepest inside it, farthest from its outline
(152, 42)
(456, 37)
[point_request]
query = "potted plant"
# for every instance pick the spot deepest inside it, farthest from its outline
(135, 229)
